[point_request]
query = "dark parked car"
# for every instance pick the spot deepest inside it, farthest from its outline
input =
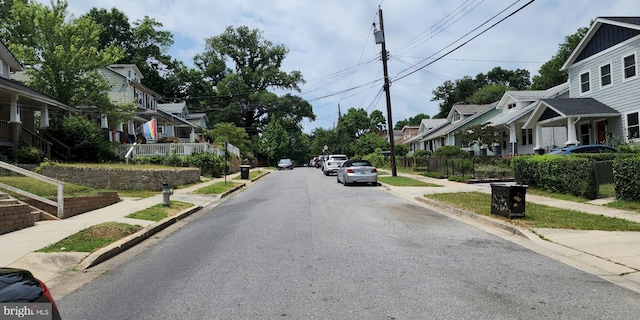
(285, 164)
(357, 171)
(588, 148)
(19, 286)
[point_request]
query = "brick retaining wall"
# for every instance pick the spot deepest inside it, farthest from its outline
(77, 205)
(123, 179)
(15, 217)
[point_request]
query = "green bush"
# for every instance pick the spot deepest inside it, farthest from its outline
(377, 159)
(627, 183)
(421, 153)
(86, 140)
(25, 154)
(210, 164)
(557, 174)
(169, 140)
(431, 174)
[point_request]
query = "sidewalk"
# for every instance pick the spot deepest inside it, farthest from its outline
(18, 247)
(613, 256)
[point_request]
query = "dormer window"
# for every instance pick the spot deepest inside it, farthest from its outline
(511, 105)
(457, 116)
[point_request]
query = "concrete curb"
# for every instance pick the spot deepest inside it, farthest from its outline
(127, 243)
(478, 217)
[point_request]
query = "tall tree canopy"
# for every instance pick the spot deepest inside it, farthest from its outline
(143, 43)
(242, 67)
(495, 83)
(549, 74)
(61, 57)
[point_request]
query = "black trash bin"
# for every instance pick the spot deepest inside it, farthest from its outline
(508, 200)
(244, 171)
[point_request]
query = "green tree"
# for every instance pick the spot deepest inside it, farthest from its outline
(368, 143)
(228, 132)
(85, 138)
(275, 141)
(242, 87)
(402, 149)
(321, 137)
(61, 57)
(412, 121)
(550, 74)
(488, 94)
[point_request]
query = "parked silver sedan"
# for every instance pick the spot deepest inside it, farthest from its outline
(357, 171)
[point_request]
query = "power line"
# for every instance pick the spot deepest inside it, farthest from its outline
(416, 69)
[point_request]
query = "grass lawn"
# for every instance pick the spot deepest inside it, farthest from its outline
(93, 238)
(253, 173)
(44, 189)
(536, 215)
(159, 211)
(217, 188)
(400, 181)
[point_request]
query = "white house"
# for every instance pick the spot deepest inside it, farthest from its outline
(603, 101)
(426, 126)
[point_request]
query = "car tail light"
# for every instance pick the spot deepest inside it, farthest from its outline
(47, 293)
(374, 170)
(350, 171)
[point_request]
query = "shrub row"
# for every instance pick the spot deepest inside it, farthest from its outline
(576, 174)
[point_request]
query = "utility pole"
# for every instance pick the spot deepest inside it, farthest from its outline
(379, 36)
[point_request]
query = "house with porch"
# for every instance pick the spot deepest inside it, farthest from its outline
(460, 117)
(427, 126)
(516, 107)
(190, 126)
(603, 103)
(25, 112)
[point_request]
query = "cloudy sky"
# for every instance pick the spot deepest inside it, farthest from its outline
(331, 41)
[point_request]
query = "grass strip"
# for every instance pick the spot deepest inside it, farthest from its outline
(537, 215)
(93, 238)
(217, 188)
(159, 211)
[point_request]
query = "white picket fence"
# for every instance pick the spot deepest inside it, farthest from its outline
(161, 149)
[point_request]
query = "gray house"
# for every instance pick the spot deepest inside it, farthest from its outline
(603, 102)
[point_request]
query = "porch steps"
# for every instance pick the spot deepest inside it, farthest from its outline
(9, 202)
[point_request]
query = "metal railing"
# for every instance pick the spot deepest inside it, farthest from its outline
(58, 204)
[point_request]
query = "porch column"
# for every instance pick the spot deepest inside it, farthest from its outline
(513, 139)
(120, 134)
(192, 136)
(131, 127)
(14, 110)
(44, 116)
(538, 139)
(104, 122)
(572, 139)
(15, 124)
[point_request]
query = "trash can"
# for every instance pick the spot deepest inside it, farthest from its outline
(508, 200)
(244, 171)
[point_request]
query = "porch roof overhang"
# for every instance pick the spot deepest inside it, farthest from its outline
(10, 85)
(555, 112)
(175, 121)
(511, 116)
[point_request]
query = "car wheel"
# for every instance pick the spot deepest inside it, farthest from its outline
(337, 179)
(326, 173)
(344, 182)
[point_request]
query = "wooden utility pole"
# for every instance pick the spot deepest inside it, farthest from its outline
(392, 145)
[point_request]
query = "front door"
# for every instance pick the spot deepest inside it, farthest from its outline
(601, 131)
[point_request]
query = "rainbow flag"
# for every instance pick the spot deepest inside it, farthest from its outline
(149, 130)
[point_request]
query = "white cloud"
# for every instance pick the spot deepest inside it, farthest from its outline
(326, 37)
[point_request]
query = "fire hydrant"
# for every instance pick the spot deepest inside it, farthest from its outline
(166, 192)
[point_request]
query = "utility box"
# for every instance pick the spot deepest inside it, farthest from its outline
(244, 171)
(508, 200)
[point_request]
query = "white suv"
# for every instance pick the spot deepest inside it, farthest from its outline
(332, 163)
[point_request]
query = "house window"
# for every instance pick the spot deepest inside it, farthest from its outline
(633, 126)
(605, 75)
(585, 85)
(456, 116)
(629, 63)
(511, 105)
(527, 136)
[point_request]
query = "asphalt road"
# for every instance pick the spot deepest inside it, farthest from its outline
(297, 245)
